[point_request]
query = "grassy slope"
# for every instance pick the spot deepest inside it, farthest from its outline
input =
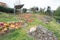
(57, 17)
(52, 26)
(7, 17)
(21, 34)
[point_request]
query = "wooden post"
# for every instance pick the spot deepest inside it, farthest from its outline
(14, 9)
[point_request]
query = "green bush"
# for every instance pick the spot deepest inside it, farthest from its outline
(5, 9)
(57, 17)
(57, 12)
(24, 10)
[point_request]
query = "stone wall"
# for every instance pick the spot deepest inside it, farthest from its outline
(42, 33)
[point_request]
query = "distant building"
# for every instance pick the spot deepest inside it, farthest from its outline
(3, 4)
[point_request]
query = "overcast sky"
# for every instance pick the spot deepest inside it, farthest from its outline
(30, 3)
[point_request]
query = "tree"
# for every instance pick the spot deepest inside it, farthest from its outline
(24, 10)
(49, 12)
(34, 9)
(42, 10)
(6, 9)
(57, 12)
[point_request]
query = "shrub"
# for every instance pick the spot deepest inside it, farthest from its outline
(57, 12)
(5, 9)
(24, 10)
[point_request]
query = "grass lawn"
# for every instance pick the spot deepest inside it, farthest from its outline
(7, 17)
(21, 34)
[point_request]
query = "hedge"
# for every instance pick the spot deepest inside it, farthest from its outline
(6, 9)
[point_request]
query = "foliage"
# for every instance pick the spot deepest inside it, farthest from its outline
(5, 9)
(49, 12)
(57, 12)
(57, 17)
(24, 10)
(34, 9)
(42, 10)
(6, 27)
